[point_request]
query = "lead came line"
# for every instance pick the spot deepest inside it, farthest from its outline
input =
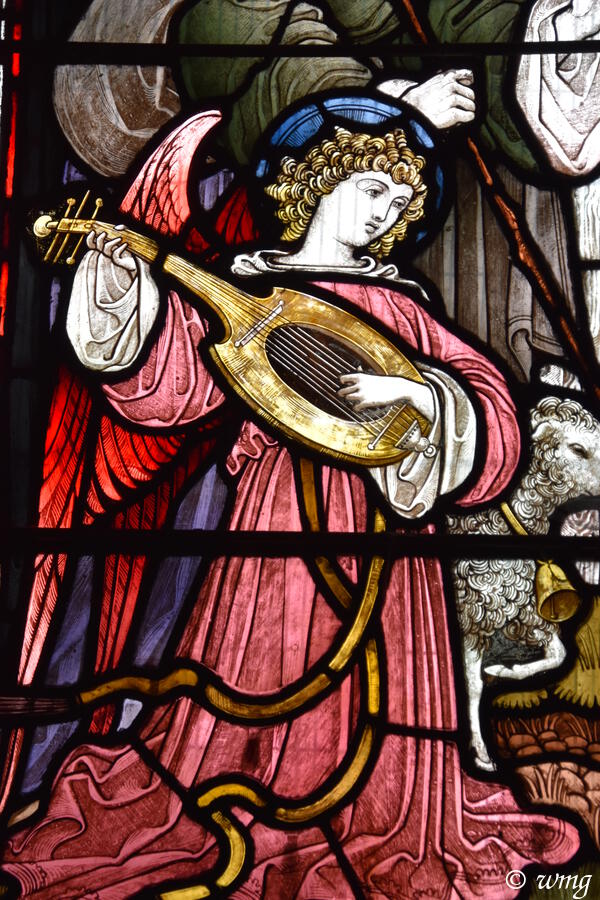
(338, 403)
(258, 327)
(324, 378)
(327, 384)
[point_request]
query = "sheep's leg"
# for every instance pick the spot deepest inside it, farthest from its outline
(554, 654)
(474, 682)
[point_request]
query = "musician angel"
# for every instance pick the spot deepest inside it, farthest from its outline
(335, 213)
(355, 775)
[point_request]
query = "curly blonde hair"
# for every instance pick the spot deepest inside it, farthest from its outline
(300, 185)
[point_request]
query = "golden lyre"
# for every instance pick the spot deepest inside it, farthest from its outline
(284, 353)
(60, 239)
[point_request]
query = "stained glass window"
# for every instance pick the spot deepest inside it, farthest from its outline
(300, 456)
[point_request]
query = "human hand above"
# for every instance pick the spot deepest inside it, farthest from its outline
(366, 391)
(579, 21)
(115, 249)
(447, 99)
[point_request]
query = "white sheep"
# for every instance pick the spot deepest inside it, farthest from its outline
(498, 595)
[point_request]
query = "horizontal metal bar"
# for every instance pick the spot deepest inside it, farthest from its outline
(176, 542)
(80, 52)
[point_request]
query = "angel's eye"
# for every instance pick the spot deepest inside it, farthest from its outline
(580, 451)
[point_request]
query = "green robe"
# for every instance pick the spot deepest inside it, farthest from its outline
(260, 88)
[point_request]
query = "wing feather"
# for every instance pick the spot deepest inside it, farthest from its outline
(122, 461)
(123, 574)
(159, 194)
(234, 222)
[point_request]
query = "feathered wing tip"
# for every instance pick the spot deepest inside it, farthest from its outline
(234, 222)
(158, 196)
(122, 462)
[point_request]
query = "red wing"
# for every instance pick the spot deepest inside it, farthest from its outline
(126, 460)
(64, 463)
(123, 573)
(64, 458)
(123, 463)
(234, 222)
(158, 196)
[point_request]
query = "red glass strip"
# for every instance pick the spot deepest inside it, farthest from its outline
(9, 168)
(10, 155)
(3, 293)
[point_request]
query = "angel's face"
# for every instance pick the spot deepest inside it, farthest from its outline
(363, 207)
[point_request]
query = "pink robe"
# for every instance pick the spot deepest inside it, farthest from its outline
(418, 825)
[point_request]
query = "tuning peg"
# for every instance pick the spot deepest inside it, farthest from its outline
(64, 228)
(71, 258)
(48, 256)
(70, 204)
(43, 227)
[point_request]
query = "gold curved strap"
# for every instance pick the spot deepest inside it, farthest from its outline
(285, 814)
(328, 573)
(259, 798)
(337, 664)
(224, 702)
(237, 856)
(309, 497)
(149, 687)
(218, 697)
(513, 521)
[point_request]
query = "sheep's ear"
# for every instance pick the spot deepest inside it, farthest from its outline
(543, 430)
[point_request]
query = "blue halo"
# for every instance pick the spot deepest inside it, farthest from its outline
(295, 132)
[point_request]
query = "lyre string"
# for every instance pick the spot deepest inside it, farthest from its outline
(323, 383)
(332, 397)
(298, 344)
(313, 344)
(239, 299)
(330, 387)
(326, 380)
(246, 308)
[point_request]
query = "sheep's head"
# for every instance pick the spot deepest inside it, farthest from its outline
(566, 449)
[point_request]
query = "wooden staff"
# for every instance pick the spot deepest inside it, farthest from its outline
(527, 251)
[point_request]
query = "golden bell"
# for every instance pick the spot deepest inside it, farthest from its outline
(557, 599)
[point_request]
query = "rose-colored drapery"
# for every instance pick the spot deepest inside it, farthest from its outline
(420, 826)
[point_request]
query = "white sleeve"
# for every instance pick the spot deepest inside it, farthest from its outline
(560, 94)
(412, 487)
(110, 312)
(396, 87)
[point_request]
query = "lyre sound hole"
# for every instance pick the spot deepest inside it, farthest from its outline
(311, 360)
